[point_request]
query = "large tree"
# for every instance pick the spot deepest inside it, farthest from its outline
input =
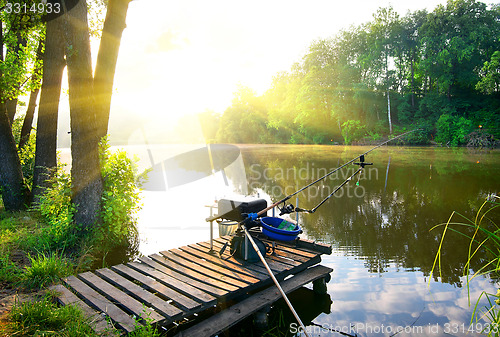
(46, 138)
(89, 100)
(19, 39)
(114, 24)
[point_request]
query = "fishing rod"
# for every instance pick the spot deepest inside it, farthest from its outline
(289, 208)
(254, 216)
(297, 209)
(269, 271)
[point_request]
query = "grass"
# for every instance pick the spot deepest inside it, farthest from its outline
(43, 244)
(25, 234)
(45, 270)
(44, 318)
(484, 237)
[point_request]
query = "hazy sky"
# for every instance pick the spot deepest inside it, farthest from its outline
(184, 57)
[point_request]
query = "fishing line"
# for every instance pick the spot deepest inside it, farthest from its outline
(286, 208)
(297, 209)
(349, 162)
(282, 201)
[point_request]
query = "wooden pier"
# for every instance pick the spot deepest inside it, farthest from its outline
(172, 288)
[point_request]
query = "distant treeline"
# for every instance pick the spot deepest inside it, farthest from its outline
(437, 71)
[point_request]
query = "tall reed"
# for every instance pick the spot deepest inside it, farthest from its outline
(484, 238)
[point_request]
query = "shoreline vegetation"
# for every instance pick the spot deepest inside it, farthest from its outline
(484, 235)
(433, 71)
(40, 245)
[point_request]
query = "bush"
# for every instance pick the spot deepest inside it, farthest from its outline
(57, 210)
(422, 134)
(352, 130)
(120, 200)
(453, 130)
(26, 154)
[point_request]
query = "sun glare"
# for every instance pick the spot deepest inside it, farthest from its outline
(184, 58)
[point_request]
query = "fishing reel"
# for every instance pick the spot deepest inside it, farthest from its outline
(286, 209)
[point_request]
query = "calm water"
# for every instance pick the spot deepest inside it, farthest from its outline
(383, 249)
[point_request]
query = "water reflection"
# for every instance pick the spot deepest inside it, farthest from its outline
(387, 217)
(383, 249)
(308, 304)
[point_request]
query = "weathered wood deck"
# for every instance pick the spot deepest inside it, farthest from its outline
(173, 286)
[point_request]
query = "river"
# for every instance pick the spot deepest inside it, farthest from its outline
(380, 224)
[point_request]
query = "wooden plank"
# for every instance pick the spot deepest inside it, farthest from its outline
(118, 296)
(249, 266)
(192, 273)
(287, 255)
(279, 269)
(310, 246)
(315, 246)
(188, 280)
(277, 265)
(180, 286)
(122, 319)
(151, 284)
(228, 273)
(281, 245)
(95, 319)
(230, 264)
(291, 254)
(142, 295)
(206, 268)
(234, 314)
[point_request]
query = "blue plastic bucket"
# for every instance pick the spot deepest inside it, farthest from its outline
(270, 228)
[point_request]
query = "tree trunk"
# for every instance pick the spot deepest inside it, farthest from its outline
(46, 138)
(412, 81)
(13, 190)
(388, 96)
(107, 57)
(85, 171)
(30, 112)
(389, 111)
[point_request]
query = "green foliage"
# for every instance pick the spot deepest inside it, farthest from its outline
(120, 200)
(490, 83)
(45, 269)
(20, 40)
(57, 210)
(145, 330)
(452, 129)
(44, 318)
(440, 63)
(352, 131)
(422, 135)
(245, 120)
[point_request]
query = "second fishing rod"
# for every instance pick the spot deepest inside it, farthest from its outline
(290, 208)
